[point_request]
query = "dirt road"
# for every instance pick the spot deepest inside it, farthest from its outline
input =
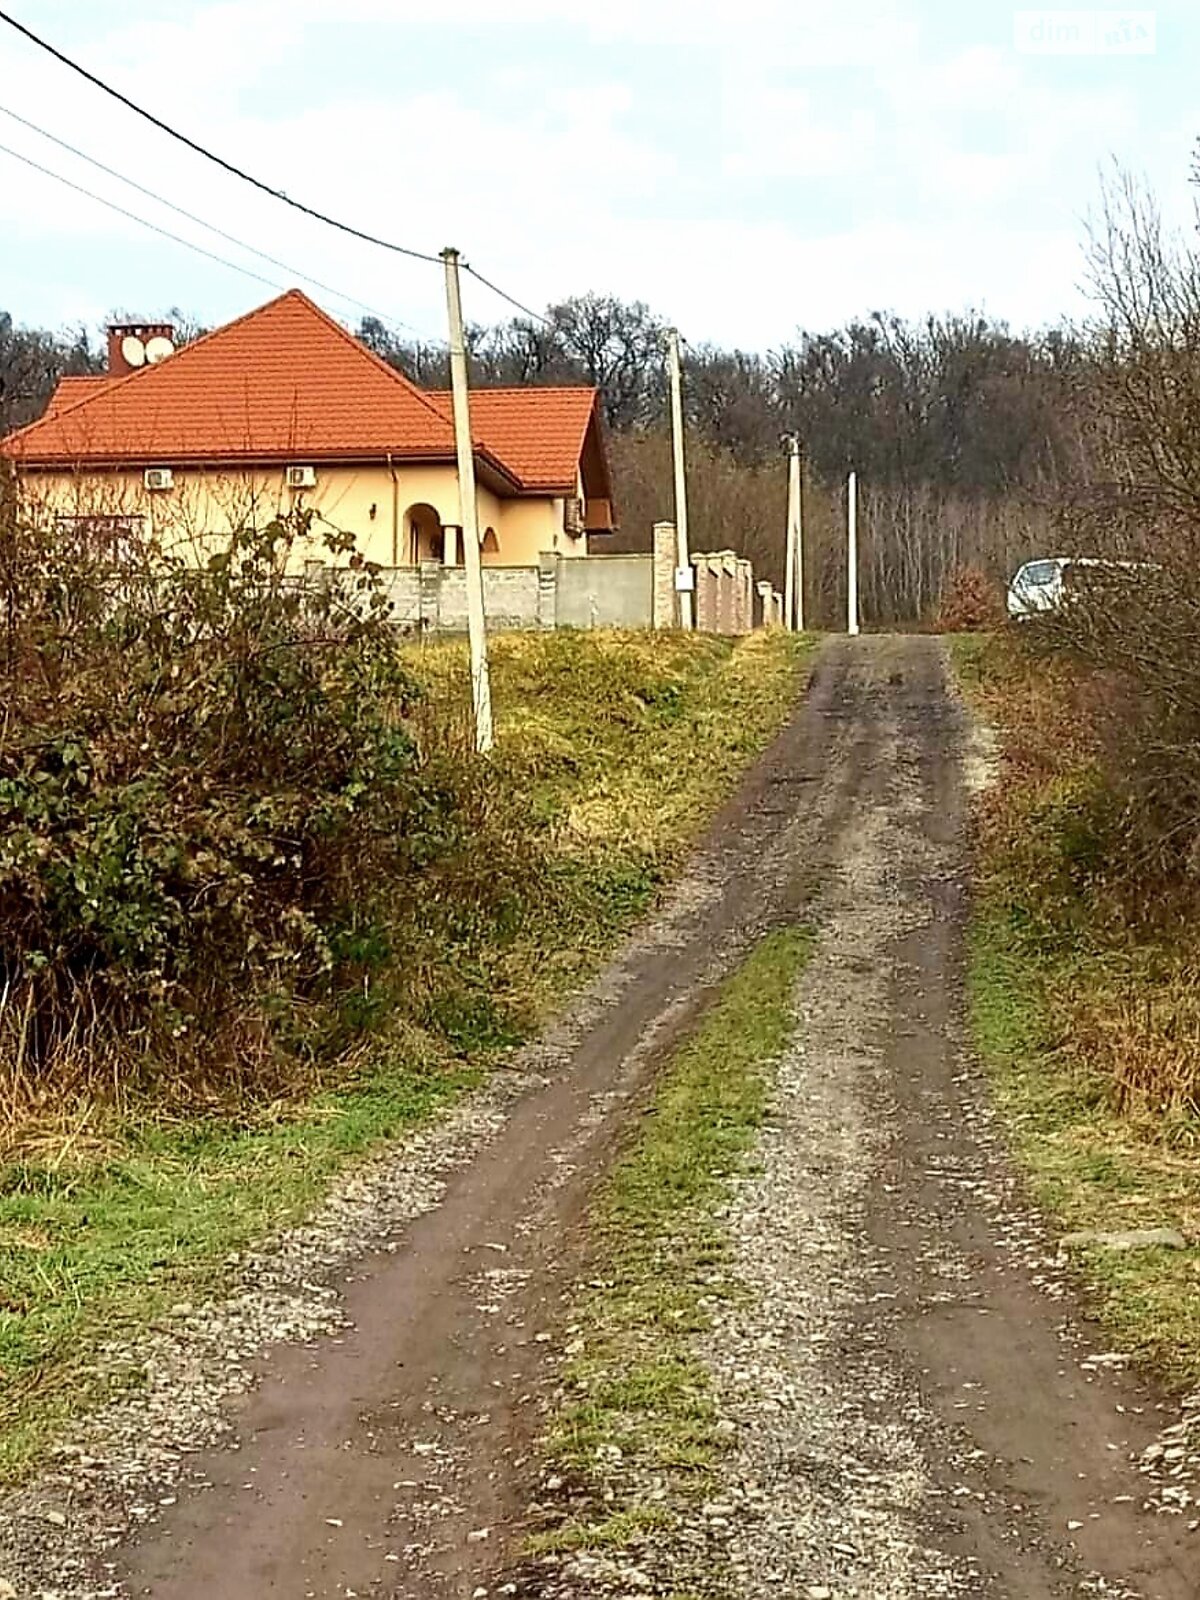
(918, 1411)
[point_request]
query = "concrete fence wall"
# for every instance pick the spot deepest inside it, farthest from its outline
(432, 598)
(596, 591)
(604, 592)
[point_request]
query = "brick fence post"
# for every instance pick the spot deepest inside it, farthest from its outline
(703, 599)
(664, 603)
(764, 600)
(547, 591)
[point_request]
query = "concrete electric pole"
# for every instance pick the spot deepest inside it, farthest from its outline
(793, 587)
(852, 554)
(683, 555)
(481, 688)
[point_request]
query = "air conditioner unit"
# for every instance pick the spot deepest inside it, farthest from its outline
(301, 477)
(158, 478)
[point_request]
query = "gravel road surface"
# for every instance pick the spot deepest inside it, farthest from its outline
(917, 1408)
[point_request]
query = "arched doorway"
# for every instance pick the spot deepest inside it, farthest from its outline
(425, 538)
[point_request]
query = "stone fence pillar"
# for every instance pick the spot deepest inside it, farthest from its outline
(744, 609)
(726, 596)
(706, 594)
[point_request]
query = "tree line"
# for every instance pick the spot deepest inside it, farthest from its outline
(958, 402)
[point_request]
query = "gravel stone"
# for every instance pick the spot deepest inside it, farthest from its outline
(1126, 1239)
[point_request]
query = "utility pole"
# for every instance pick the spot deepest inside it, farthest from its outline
(481, 688)
(682, 557)
(852, 554)
(800, 542)
(793, 586)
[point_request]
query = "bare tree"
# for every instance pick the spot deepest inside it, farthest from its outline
(31, 363)
(617, 346)
(1133, 614)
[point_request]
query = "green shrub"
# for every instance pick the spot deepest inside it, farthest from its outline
(213, 808)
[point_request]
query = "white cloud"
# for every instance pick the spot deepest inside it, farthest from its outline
(820, 36)
(774, 131)
(899, 174)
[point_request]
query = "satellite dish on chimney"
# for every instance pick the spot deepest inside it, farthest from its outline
(158, 349)
(133, 351)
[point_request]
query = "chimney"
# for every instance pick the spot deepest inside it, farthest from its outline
(138, 344)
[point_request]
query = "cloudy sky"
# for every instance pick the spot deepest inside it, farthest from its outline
(745, 166)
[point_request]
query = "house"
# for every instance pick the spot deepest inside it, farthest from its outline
(284, 408)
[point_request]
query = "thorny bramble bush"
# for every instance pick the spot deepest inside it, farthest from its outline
(1101, 832)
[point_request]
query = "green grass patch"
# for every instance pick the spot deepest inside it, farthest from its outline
(1062, 1004)
(968, 652)
(613, 751)
(660, 1263)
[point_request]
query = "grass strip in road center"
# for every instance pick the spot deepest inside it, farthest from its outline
(637, 1435)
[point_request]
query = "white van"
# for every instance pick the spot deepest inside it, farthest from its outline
(1043, 585)
(1036, 586)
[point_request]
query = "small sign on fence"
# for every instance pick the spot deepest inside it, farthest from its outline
(685, 580)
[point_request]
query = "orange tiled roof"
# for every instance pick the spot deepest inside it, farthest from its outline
(286, 383)
(538, 433)
(76, 387)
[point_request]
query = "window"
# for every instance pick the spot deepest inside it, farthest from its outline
(1038, 573)
(116, 537)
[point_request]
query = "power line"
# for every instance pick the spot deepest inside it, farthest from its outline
(209, 155)
(247, 177)
(166, 233)
(210, 255)
(199, 221)
(496, 289)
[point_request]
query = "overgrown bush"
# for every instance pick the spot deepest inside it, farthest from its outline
(970, 602)
(1113, 947)
(1046, 828)
(1132, 615)
(214, 807)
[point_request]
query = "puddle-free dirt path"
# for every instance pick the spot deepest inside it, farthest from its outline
(390, 1461)
(917, 1415)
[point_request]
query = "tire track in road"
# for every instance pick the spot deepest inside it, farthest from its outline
(938, 1428)
(925, 1419)
(371, 1444)
(913, 1415)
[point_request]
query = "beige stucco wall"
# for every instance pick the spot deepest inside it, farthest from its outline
(371, 502)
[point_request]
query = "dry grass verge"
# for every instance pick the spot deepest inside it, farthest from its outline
(1087, 1022)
